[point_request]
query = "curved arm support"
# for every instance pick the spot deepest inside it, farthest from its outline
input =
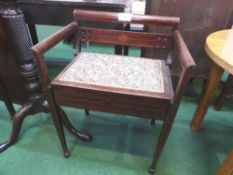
(46, 44)
(188, 68)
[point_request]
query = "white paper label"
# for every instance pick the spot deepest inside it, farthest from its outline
(125, 17)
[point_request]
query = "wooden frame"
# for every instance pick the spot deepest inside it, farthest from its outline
(162, 106)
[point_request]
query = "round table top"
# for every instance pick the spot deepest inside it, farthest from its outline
(219, 47)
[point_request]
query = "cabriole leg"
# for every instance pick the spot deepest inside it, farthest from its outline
(18, 118)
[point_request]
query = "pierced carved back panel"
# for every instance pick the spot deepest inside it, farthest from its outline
(118, 37)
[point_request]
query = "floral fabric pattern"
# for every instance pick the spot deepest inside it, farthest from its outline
(116, 71)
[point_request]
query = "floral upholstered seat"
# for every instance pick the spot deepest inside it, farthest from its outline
(115, 71)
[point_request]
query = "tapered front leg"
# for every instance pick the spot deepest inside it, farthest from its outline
(54, 109)
(86, 137)
(160, 144)
(18, 118)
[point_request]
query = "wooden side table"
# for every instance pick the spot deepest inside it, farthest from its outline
(219, 47)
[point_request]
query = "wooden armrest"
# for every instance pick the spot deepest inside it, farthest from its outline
(46, 44)
(184, 56)
(52, 40)
(188, 67)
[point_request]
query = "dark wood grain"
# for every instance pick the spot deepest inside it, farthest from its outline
(112, 17)
(111, 102)
(139, 39)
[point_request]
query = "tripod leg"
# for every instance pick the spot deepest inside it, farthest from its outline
(81, 135)
(18, 118)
